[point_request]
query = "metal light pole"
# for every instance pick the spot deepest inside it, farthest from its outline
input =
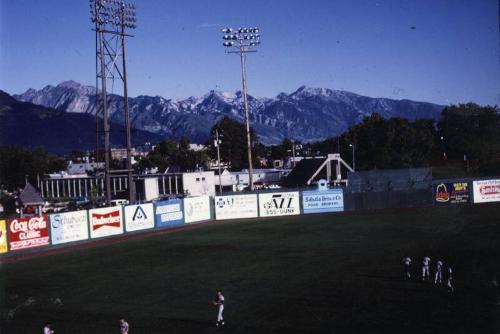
(243, 40)
(353, 157)
(111, 18)
(217, 144)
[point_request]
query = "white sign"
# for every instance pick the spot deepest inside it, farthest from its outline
(329, 200)
(68, 227)
(106, 221)
(279, 204)
(139, 217)
(237, 206)
(197, 209)
(486, 191)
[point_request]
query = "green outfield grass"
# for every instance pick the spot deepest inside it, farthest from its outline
(332, 273)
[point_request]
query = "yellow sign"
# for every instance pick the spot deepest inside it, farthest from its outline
(3, 237)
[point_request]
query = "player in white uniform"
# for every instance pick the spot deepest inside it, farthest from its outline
(449, 282)
(407, 263)
(124, 328)
(425, 268)
(47, 329)
(219, 302)
(438, 276)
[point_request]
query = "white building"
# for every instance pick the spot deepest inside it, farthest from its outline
(198, 183)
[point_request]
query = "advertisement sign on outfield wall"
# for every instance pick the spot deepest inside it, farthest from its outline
(3, 237)
(237, 206)
(197, 209)
(486, 191)
(279, 204)
(68, 227)
(330, 200)
(29, 232)
(168, 213)
(105, 222)
(452, 193)
(139, 217)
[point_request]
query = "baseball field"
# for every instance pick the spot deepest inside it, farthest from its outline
(329, 273)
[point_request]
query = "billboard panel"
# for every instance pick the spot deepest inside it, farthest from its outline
(105, 221)
(3, 237)
(279, 204)
(68, 227)
(139, 217)
(237, 206)
(486, 191)
(197, 209)
(452, 193)
(29, 232)
(329, 200)
(168, 213)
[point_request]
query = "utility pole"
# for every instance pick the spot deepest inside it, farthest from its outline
(217, 144)
(244, 40)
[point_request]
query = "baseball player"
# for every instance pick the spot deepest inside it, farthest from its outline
(47, 329)
(449, 283)
(425, 268)
(219, 302)
(438, 276)
(407, 263)
(123, 326)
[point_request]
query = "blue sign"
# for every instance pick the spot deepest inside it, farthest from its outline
(331, 200)
(168, 213)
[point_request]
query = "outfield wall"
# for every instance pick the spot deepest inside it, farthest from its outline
(36, 234)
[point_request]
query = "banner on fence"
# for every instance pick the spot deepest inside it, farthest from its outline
(328, 200)
(452, 193)
(236, 206)
(3, 237)
(486, 191)
(279, 204)
(139, 217)
(168, 213)
(197, 209)
(106, 221)
(29, 232)
(68, 227)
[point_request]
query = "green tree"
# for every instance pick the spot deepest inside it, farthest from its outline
(18, 162)
(233, 147)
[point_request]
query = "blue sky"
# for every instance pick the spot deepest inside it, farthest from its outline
(451, 55)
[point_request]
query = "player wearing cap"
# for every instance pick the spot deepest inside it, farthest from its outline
(407, 264)
(425, 268)
(47, 329)
(219, 302)
(438, 276)
(449, 282)
(123, 326)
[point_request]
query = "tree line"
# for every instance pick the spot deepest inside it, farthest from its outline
(466, 132)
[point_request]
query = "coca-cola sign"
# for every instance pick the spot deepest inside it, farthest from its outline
(28, 232)
(106, 221)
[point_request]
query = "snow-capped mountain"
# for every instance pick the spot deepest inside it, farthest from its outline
(308, 114)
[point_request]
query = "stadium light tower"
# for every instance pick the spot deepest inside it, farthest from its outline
(112, 19)
(243, 41)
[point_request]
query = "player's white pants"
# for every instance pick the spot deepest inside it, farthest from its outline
(219, 314)
(438, 277)
(425, 272)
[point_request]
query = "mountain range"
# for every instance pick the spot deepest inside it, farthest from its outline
(308, 114)
(30, 125)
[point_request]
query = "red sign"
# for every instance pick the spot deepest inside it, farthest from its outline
(107, 219)
(28, 232)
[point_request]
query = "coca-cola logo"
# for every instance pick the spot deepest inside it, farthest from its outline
(23, 225)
